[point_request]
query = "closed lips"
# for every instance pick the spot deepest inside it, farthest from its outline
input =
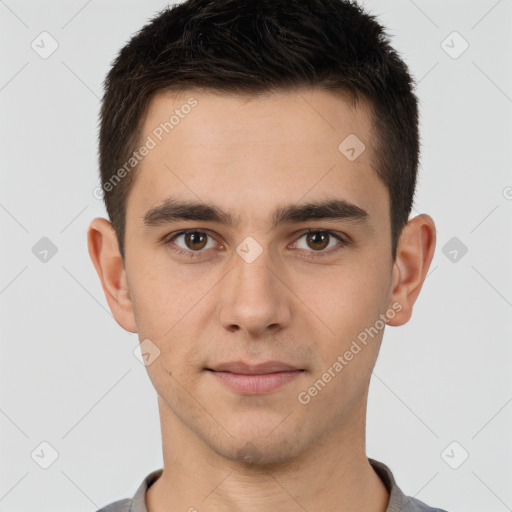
(243, 368)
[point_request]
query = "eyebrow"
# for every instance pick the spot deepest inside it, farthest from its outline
(173, 209)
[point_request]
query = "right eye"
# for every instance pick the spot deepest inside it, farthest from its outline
(193, 240)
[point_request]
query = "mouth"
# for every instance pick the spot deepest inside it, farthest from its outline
(255, 379)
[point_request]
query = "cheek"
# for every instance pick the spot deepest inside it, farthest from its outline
(344, 299)
(166, 306)
(162, 295)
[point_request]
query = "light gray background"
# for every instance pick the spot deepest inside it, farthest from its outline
(68, 373)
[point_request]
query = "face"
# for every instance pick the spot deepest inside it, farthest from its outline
(239, 283)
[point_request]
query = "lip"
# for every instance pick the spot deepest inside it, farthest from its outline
(255, 379)
(241, 367)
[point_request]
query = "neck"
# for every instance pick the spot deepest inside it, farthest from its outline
(333, 474)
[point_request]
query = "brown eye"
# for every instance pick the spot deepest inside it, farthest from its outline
(191, 242)
(320, 243)
(195, 240)
(318, 240)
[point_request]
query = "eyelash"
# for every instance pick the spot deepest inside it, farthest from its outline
(317, 254)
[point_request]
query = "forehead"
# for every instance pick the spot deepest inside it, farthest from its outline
(284, 119)
(249, 153)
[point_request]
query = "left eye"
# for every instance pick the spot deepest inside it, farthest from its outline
(319, 240)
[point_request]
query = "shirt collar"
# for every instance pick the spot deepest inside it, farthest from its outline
(397, 499)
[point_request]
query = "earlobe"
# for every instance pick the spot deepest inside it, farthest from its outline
(109, 265)
(414, 254)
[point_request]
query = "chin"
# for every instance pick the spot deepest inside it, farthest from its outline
(260, 450)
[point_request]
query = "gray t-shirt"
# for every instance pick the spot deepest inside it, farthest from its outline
(398, 501)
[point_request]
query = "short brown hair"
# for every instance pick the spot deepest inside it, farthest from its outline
(252, 47)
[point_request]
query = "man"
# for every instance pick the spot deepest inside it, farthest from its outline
(258, 161)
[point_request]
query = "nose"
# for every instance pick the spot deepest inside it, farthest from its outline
(254, 298)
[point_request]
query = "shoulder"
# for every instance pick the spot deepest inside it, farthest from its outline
(117, 506)
(415, 505)
(137, 502)
(398, 501)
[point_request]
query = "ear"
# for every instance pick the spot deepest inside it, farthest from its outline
(105, 255)
(414, 254)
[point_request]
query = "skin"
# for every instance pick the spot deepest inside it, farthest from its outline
(224, 450)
